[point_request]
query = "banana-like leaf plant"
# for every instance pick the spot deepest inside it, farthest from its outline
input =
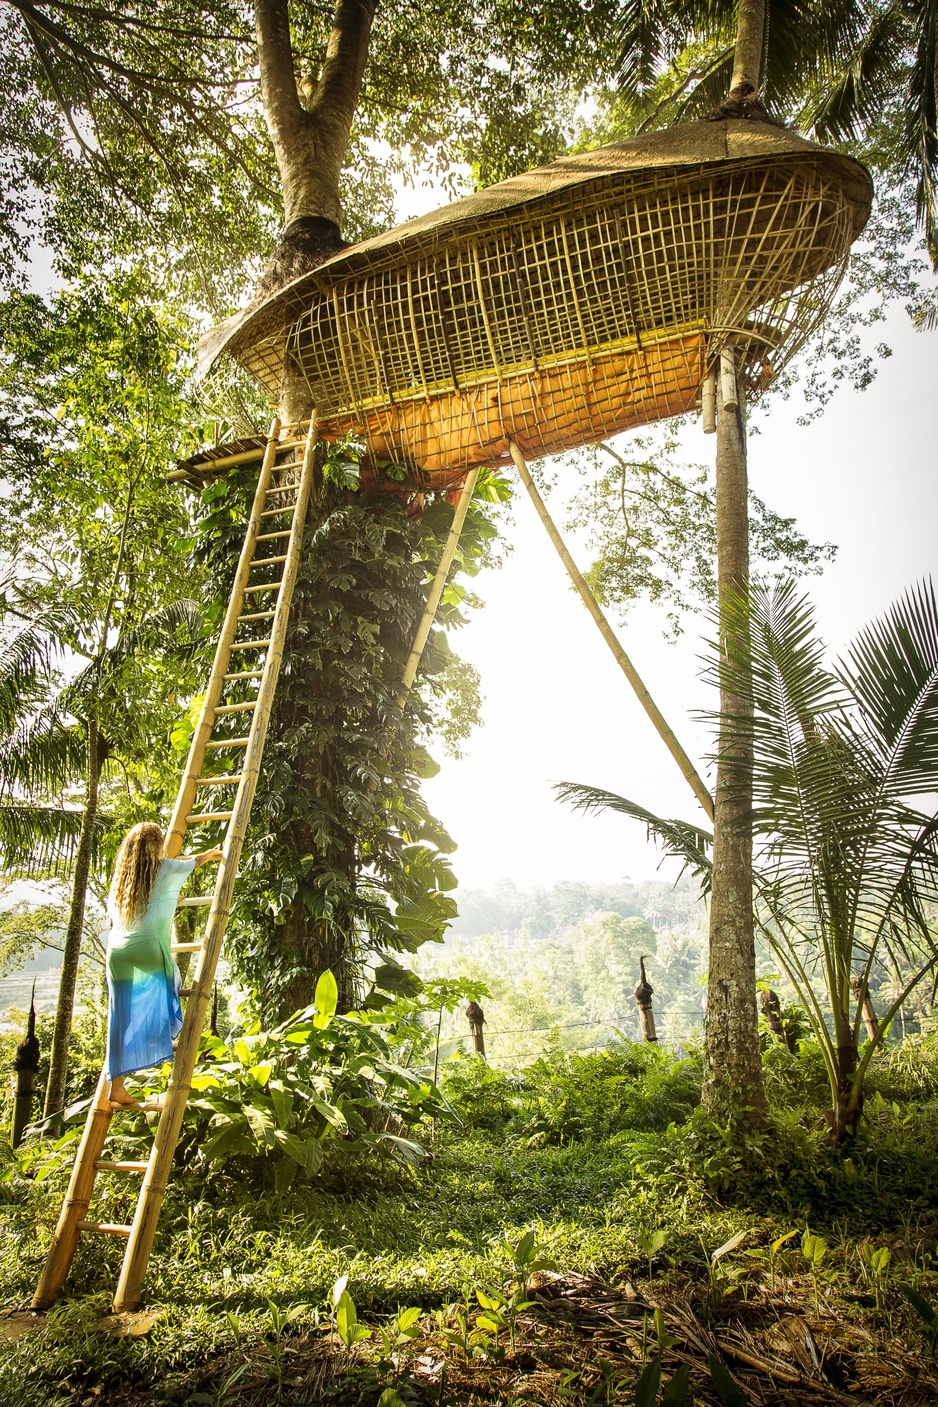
(845, 773)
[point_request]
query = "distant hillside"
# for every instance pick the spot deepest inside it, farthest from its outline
(510, 912)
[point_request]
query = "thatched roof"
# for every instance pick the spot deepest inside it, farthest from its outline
(700, 145)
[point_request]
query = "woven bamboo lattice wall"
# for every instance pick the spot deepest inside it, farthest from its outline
(563, 306)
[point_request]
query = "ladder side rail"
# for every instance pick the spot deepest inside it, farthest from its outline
(156, 1178)
(84, 1172)
(77, 1199)
(176, 831)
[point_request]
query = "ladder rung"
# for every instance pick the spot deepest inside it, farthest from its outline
(253, 644)
(219, 781)
(290, 444)
(209, 816)
(226, 742)
(185, 947)
(267, 586)
(269, 537)
(236, 708)
(253, 615)
(186, 991)
(272, 512)
(154, 1107)
(193, 901)
(246, 674)
(109, 1228)
(267, 561)
(108, 1165)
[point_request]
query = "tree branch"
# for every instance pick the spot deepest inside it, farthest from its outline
(310, 144)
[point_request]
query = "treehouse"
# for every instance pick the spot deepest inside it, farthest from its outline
(567, 304)
(554, 309)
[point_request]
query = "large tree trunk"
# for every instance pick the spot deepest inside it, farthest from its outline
(310, 137)
(733, 1067)
(309, 120)
(747, 60)
(58, 1056)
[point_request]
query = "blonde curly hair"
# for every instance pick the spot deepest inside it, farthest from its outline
(135, 869)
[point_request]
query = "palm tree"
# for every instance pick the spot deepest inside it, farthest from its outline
(848, 859)
(785, 51)
(61, 734)
(843, 71)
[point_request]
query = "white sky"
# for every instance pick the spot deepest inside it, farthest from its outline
(556, 705)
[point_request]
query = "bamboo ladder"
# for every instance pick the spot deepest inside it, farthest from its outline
(278, 515)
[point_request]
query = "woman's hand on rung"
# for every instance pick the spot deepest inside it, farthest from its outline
(207, 856)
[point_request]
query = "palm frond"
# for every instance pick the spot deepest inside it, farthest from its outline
(27, 657)
(680, 840)
(891, 671)
(647, 31)
(36, 839)
(44, 754)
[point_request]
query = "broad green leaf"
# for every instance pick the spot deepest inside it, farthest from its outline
(262, 1125)
(284, 1173)
(728, 1390)
(646, 1390)
(331, 1114)
(326, 999)
(524, 1248)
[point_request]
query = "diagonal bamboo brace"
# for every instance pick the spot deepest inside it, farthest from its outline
(689, 771)
(436, 590)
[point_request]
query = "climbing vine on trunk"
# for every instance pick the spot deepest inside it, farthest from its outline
(346, 866)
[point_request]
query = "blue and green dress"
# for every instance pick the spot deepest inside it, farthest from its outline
(144, 1012)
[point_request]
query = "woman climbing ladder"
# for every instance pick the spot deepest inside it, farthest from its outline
(144, 1011)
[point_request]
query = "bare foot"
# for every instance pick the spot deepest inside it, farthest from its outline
(118, 1095)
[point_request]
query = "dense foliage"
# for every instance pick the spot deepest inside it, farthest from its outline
(345, 864)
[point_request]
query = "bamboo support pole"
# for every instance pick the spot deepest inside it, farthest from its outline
(156, 1177)
(688, 770)
(176, 831)
(437, 587)
(709, 405)
(728, 383)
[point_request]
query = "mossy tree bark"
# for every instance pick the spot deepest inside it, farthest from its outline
(733, 1083)
(747, 59)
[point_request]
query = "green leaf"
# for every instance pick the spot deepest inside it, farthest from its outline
(525, 1248)
(646, 1389)
(676, 1391)
(729, 1245)
(728, 1390)
(284, 1173)
(920, 1304)
(332, 1115)
(230, 1141)
(293, 1146)
(262, 1125)
(326, 1000)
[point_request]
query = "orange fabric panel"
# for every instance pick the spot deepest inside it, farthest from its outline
(546, 411)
